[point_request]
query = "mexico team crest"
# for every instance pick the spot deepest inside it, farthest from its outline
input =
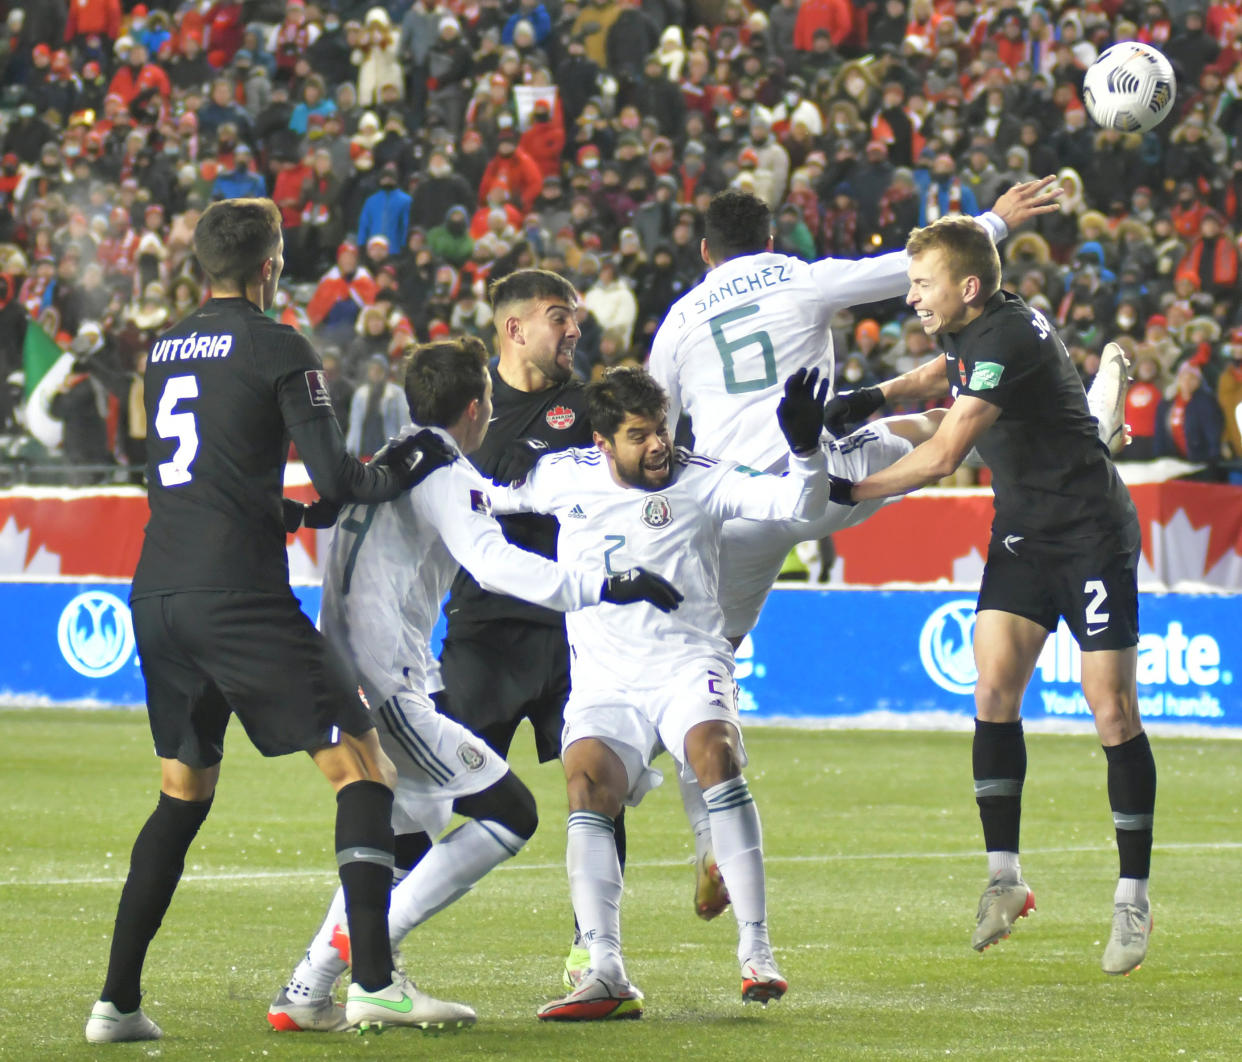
(560, 418)
(472, 759)
(656, 512)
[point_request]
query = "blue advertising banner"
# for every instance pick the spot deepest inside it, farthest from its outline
(816, 654)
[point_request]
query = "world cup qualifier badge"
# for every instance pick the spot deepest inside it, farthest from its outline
(560, 417)
(656, 512)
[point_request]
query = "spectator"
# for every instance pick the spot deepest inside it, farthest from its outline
(1189, 423)
(373, 339)
(451, 240)
(1143, 398)
(512, 168)
(377, 410)
(240, 180)
(387, 211)
(450, 64)
(341, 293)
(1229, 395)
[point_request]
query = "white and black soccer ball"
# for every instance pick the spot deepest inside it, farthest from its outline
(1130, 86)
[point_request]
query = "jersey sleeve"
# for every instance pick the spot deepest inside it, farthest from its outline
(801, 494)
(537, 493)
(1008, 357)
(663, 370)
(842, 282)
(297, 374)
(455, 501)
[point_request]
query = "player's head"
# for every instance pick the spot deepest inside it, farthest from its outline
(535, 314)
(954, 269)
(447, 385)
(738, 223)
(238, 243)
(628, 413)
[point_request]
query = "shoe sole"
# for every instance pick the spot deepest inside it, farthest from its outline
(711, 898)
(1116, 443)
(377, 1027)
(594, 1010)
(763, 991)
(1004, 934)
(281, 1022)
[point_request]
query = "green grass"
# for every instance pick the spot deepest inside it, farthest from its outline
(874, 870)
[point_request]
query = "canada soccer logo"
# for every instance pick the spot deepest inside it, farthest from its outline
(656, 512)
(560, 418)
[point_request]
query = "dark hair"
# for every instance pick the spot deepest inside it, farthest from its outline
(621, 392)
(522, 285)
(967, 248)
(442, 378)
(234, 237)
(737, 223)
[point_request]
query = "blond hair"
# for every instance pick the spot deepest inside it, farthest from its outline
(967, 248)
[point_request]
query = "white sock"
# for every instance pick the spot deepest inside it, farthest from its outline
(318, 971)
(1004, 865)
(447, 872)
(1131, 890)
(595, 889)
(737, 838)
(696, 814)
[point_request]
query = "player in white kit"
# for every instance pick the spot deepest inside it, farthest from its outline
(725, 346)
(642, 680)
(388, 569)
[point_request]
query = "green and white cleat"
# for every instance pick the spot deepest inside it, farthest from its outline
(1002, 904)
(577, 962)
(402, 1003)
(107, 1025)
(1127, 944)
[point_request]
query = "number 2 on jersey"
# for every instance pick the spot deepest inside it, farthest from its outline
(180, 426)
(729, 347)
(617, 542)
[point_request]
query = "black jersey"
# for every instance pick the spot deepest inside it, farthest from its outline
(556, 416)
(224, 392)
(1051, 475)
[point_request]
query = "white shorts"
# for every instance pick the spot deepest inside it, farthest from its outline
(437, 760)
(752, 552)
(638, 723)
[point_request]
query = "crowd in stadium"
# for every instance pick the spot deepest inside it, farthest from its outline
(418, 151)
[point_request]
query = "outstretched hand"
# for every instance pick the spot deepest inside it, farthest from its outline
(801, 412)
(413, 458)
(1028, 200)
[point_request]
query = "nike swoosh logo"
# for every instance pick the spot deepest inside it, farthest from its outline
(1093, 631)
(403, 1007)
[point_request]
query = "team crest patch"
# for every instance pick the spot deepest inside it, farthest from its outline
(472, 759)
(560, 418)
(480, 502)
(987, 375)
(318, 388)
(656, 512)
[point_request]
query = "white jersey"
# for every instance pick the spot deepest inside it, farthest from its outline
(726, 347)
(674, 532)
(390, 566)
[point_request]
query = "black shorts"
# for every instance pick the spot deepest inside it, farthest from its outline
(1093, 583)
(497, 675)
(206, 654)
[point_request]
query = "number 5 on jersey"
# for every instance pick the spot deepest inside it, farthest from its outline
(180, 426)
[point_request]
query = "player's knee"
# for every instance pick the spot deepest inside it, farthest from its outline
(996, 703)
(508, 802)
(588, 793)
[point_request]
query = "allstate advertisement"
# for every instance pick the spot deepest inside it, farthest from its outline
(815, 654)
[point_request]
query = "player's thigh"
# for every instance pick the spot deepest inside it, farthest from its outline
(858, 455)
(1109, 682)
(187, 712)
(617, 720)
(287, 686)
(701, 691)
(1097, 592)
(437, 761)
(752, 553)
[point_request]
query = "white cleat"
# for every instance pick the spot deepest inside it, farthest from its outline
(1106, 400)
(762, 981)
(288, 1014)
(1127, 944)
(107, 1025)
(402, 1003)
(595, 999)
(1002, 904)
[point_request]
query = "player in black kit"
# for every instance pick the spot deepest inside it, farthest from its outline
(218, 628)
(1065, 542)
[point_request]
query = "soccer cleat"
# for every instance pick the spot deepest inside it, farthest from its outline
(310, 1015)
(1127, 944)
(761, 981)
(710, 895)
(107, 1025)
(402, 1003)
(1106, 400)
(577, 962)
(595, 999)
(1002, 904)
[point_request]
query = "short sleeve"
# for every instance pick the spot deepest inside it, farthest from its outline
(1002, 359)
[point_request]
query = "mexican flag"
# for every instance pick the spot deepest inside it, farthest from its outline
(39, 353)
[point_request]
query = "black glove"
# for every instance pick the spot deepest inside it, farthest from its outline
(415, 457)
(517, 459)
(851, 407)
(839, 490)
(638, 584)
(801, 412)
(318, 514)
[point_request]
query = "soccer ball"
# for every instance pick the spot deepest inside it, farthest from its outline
(1130, 87)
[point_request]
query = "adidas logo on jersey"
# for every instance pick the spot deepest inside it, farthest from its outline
(577, 513)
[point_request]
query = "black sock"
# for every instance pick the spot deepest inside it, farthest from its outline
(998, 758)
(155, 867)
(618, 837)
(364, 843)
(1132, 796)
(408, 850)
